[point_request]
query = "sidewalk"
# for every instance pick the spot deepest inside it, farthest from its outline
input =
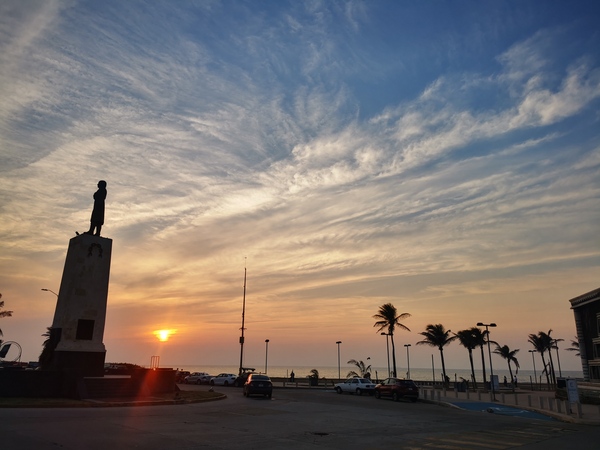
(542, 402)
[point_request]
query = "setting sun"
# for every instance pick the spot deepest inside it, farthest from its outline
(163, 335)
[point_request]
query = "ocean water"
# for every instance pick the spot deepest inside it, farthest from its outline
(417, 374)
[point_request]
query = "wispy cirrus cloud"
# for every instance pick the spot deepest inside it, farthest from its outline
(230, 134)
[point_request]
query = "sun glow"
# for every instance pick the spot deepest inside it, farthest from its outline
(163, 335)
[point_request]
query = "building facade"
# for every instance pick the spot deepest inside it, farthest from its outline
(586, 309)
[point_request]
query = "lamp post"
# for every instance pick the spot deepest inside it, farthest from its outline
(408, 359)
(533, 359)
(487, 331)
(266, 353)
(49, 290)
(387, 346)
(338, 344)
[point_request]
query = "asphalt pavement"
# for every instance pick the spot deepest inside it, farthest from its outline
(302, 418)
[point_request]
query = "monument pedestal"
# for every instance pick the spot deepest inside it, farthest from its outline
(78, 327)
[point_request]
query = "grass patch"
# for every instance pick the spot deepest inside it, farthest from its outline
(22, 402)
(170, 398)
(197, 396)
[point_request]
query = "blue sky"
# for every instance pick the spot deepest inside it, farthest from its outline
(441, 156)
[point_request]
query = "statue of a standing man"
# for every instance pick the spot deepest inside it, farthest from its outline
(97, 219)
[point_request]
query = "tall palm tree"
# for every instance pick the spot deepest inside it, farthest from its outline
(364, 371)
(437, 336)
(548, 343)
(388, 318)
(574, 346)
(555, 347)
(4, 313)
(541, 344)
(479, 336)
(468, 340)
(509, 356)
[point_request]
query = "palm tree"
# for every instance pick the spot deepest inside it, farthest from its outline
(509, 356)
(574, 346)
(479, 336)
(388, 318)
(542, 342)
(4, 313)
(437, 336)
(45, 358)
(555, 347)
(364, 371)
(549, 343)
(467, 339)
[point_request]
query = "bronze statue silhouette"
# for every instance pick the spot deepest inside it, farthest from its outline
(97, 219)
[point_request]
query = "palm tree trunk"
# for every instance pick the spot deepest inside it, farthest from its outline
(472, 368)
(552, 367)
(547, 371)
(393, 353)
(483, 363)
(443, 365)
(510, 371)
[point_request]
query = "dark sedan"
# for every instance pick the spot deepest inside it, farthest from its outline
(397, 388)
(258, 385)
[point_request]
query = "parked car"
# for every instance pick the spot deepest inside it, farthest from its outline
(258, 384)
(356, 385)
(223, 379)
(241, 379)
(197, 378)
(397, 388)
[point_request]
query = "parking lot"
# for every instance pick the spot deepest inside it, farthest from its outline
(292, 419)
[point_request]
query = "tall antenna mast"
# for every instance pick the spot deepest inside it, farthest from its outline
(243, 317)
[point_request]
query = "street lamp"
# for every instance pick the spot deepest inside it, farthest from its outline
(266, 353)
(338, 344)
(387, 345)
(486, 325)
(533, 359)
(49, 290)
(408, 359)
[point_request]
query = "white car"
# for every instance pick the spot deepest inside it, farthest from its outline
(224, 379)
(356, 386)
(197, 378)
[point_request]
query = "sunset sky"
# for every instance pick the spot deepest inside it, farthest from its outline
(443, 156)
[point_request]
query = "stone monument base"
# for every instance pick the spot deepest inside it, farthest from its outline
(78, 327)
(89, 364)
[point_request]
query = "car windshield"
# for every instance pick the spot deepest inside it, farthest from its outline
(364, 380)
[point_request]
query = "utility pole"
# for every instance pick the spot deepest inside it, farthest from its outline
(243, 318)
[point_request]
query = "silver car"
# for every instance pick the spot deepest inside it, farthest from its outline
(197, 378)
(223, 379)
(356, 385)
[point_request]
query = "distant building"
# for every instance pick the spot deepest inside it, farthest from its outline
(586, 308)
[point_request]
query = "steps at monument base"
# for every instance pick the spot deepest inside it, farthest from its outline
(108, 387)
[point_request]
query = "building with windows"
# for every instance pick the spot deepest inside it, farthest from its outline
(586, 308)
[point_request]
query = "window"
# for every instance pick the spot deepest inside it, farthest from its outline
(85, 330)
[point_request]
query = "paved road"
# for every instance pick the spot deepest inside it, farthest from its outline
(292, 419)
